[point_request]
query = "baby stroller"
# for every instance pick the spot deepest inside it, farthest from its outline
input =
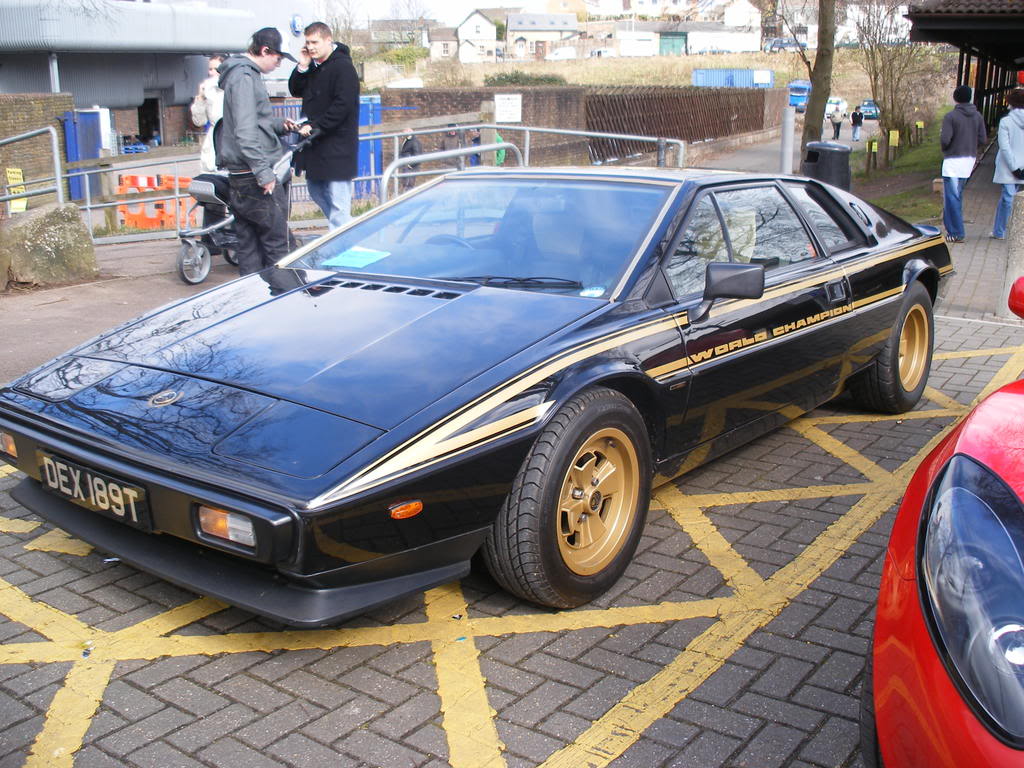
(217, 234)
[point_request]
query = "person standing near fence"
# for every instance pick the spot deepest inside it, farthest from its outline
(326, 80)
(1009, 161)
(963, 132)
(207, 108)
(410, 148)
(248, 146)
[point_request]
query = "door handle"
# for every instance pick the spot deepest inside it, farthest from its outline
(836, 291)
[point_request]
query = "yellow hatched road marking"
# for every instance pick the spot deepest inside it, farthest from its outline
(9, 525)
(840, 450)
(940, 398)
(469, 720)
(473, 740)
(58, 541)
(7, 469)
(977, 353)
(70, 715)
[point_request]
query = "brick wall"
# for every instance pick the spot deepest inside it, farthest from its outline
(543, 107)
(126, 121)
(22, 112)
(176, 121)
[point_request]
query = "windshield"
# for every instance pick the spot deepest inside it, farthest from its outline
(554, 235)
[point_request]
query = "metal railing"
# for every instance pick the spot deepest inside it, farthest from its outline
(444, 154)
(57, 187)
(382, 180)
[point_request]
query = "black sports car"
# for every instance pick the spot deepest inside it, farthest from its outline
(499, 361)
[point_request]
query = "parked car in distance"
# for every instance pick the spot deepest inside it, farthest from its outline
(944, 683)
(561, 54)
(498, 362)
(603, 53)
(870, 109)
(833, 103)
(779, 44)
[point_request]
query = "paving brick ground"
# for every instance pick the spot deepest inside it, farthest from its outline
(736, 638)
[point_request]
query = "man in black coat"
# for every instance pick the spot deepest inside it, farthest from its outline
(327, 82)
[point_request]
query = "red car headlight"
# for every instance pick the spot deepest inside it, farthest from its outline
(973, 577)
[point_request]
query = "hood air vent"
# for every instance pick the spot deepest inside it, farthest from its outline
(339, 282)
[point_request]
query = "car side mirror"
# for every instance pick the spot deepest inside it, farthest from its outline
(1016, 300)
(726, 280)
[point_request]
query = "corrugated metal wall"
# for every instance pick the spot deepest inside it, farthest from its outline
(115, 81)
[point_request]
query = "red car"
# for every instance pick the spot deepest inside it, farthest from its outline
(945, 678)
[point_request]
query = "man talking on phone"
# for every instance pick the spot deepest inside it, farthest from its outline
(248, 146)
(327, 82)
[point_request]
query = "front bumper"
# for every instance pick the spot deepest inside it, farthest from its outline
(246, 584)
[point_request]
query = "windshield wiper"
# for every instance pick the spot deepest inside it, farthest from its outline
(507, 280)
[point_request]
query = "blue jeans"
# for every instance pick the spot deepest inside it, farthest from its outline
(1003, 210)
(334, 199)
(952, 206)
(856, 133)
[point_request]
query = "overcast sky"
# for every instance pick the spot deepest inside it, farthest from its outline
(449, 12)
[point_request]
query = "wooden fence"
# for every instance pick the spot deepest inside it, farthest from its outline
(688, 113)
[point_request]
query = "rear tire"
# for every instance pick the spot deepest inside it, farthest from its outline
(193, 262)
(231, 257)
(896, 378)
(577, 508)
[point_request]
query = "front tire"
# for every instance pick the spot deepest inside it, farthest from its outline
(194, 262)
(895, 380)
(578, 505)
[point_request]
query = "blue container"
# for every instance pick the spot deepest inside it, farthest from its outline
(370, 155)
(82, 141)
(733, 78)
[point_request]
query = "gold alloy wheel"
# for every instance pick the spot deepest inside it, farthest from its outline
(914, 344)
(597, 505)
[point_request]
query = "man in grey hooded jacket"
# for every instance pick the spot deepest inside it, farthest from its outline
(248, 146)
(963, 132)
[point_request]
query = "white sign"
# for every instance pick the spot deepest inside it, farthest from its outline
(508, 107)
(762, 76)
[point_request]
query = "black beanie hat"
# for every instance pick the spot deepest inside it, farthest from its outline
(962, 94)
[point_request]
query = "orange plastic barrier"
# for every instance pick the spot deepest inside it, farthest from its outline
(160, 214)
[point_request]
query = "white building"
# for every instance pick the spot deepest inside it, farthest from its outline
(532, 35)
(477, 39)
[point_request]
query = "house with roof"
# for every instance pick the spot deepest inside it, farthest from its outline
(477, 39)
(443, 43)
(533, 35)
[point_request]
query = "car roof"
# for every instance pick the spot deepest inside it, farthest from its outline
(680, 175)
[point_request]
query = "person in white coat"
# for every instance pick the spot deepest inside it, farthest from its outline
(1009, 159)
(207, 109)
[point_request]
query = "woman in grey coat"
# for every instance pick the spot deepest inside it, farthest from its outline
(1010, 158)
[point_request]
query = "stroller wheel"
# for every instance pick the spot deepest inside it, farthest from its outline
(193, 262)
(230, 257)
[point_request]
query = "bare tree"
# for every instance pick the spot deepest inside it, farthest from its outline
(409, 9)
(340, 15)
(900, 73)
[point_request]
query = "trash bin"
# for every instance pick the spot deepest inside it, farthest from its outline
(828, 161)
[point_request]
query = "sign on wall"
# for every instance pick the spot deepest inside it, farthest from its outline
(508, 107)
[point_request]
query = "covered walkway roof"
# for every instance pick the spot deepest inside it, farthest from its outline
(988, 34)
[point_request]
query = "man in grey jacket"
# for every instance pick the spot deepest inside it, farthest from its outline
(248, 146)
(963, 132)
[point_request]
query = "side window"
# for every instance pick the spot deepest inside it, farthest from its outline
(763, 228)
(835, 231)
(701, 242)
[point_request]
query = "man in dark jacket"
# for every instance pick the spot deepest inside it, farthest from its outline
(329, 87)
(248, 146)
(963, 131)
